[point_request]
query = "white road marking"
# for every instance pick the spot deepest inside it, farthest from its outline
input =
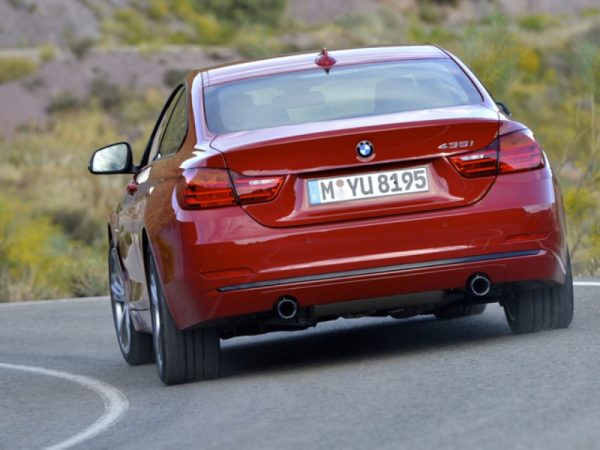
(55, 301)
(115, 402)
(586, 283)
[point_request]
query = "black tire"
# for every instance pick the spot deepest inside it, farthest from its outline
(181, 356)
(457, 311)
(135, 346)
(542, 308)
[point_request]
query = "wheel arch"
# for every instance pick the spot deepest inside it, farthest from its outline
(147, 246)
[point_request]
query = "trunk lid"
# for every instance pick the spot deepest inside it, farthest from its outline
(307, 153)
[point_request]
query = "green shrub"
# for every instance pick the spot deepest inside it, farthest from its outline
(537, 22)
(88, 273)
(590, 12)
(158, 10)
(15, 68)
(164, 22)
(109, 95)
(32, 254)
(65, 101)
(243, 11)
(129, 26)
(79, 46)
(47, 52)
(77, 224)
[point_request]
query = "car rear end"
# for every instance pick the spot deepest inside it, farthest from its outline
(385, 184)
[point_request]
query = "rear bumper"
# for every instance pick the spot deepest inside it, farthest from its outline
(221, 263)
(398, 268)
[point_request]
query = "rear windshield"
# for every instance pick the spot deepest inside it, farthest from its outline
(346, 92)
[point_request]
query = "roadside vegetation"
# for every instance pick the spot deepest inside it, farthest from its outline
(16, 68)
(53, 213)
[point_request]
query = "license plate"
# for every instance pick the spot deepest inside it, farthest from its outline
(368, 185)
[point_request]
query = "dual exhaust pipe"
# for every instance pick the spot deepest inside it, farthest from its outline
(479, 285)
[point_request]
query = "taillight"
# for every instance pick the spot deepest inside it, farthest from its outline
(514, 152)
(480, 163)
(205, 188)
(211, 188)
(256, 189)
(518, 152)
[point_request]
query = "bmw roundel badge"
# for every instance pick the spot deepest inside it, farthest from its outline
(365, 149)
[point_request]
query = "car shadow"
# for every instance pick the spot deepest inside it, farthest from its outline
(350, 340)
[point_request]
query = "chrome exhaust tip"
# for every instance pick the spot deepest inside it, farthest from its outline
(286, 308)
(479, 285)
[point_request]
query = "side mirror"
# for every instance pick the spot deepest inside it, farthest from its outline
(115, 158)
(504, 109)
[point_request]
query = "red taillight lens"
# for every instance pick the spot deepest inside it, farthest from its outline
(212, 188)
(256, 189)
(206, 188)
(519, 151)
(513, 152)
(480, 163)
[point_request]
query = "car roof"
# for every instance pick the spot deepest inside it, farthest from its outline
(304, 61)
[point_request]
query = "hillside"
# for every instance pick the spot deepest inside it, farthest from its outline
(30, 23)
(72, 43)
(77, 74)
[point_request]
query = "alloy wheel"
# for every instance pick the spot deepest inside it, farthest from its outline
(120, 302)
(156, 320)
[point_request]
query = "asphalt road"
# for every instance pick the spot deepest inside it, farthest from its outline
(349, 384)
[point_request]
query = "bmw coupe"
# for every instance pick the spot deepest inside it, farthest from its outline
(276, 194)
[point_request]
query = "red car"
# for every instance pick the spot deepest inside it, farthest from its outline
(276, 194)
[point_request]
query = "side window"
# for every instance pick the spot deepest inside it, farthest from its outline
(156, 146)
(176, 128)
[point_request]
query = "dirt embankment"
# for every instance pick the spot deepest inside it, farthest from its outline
(28, 24)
